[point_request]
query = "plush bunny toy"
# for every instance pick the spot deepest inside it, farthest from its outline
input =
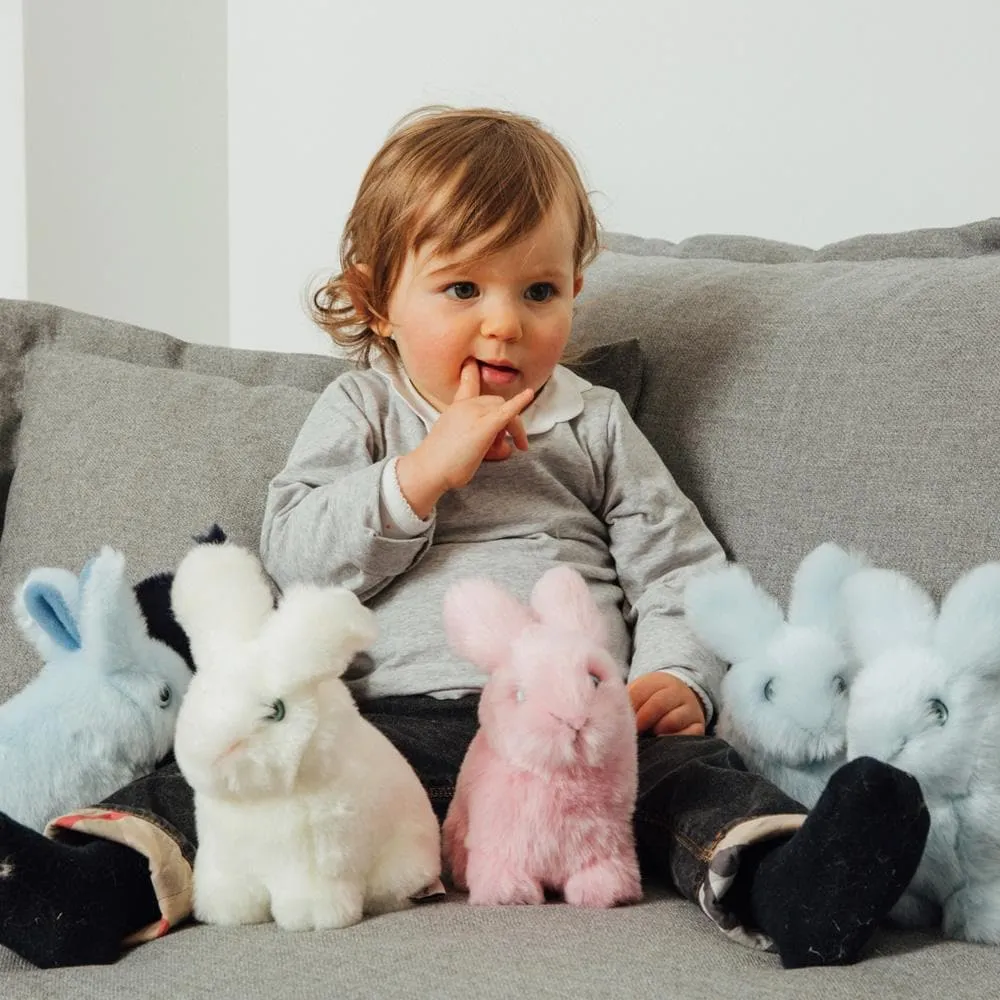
(101, 711)
(784, 698)
(546, 792)
(305, 812)
(927, 700)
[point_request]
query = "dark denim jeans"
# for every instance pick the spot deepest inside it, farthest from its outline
(692, 789)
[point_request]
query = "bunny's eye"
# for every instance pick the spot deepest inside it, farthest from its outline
(839, 684)
(769, 691)
(595, 680)
(277, 712)
(938, 711)
(166, 695)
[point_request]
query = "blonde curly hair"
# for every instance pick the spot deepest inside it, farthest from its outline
(448, 176)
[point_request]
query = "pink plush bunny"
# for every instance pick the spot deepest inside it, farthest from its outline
(545, 795)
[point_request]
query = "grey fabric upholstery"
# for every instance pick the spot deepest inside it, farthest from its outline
(847, 393)
(145, 456)
(823, 399)
(661, 949)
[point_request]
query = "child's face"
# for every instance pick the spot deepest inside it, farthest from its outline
(512, 312)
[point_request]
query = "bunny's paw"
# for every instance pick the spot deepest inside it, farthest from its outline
(603, 885)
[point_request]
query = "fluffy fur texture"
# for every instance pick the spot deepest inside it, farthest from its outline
(306, 813)
(546, 792)
(927, 700)
(102, 710)
(784, 699)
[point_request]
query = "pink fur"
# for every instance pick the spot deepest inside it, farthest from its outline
(545, 795)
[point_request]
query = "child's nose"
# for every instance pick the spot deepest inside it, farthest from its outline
(502, 321)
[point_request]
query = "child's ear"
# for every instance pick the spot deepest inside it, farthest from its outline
(577, 285)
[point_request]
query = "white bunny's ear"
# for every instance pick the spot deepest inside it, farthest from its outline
(884, 610)
(561, 597)
(315, 632)
(729, 613)
(815, 599)
(968, 628)
(220, 592)
(482, 620)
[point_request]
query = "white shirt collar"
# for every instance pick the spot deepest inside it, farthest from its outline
(560, 399)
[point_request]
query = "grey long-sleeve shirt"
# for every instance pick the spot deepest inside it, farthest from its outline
(591, 492)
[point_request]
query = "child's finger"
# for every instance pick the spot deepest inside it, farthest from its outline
(516, 404)
(695, 729)
(640, 690)
(682, 719)
(655, 708)
(499, 450)
(468, 381)
(516, 430)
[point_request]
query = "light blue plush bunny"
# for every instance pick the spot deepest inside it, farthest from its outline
(101, 711)
(927, 700)
(784, 697)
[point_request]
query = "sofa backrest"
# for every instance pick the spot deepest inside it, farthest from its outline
(114, 435)
(798, 396)
(846, 394)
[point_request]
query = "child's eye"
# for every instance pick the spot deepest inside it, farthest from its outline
(541, 291)
(461, 290)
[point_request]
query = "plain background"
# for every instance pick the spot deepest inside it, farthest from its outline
(188, 165)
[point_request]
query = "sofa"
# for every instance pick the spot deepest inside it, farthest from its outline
(848, 393)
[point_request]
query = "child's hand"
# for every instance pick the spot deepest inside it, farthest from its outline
(472, 430)
(664, 704)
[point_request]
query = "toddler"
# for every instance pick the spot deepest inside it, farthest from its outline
(461, 446)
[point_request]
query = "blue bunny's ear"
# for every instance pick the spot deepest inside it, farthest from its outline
(46, 605)
(735, 617)
(85, 572)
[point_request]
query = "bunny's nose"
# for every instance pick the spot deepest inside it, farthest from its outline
(576, 722)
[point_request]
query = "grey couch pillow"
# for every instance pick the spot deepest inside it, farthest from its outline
(799, 398)
(28, 327)
(143, 458)
(136, 457)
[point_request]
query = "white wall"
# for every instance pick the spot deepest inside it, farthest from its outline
(13, 234)
(126, 161)
(799, 121)
(190, 164)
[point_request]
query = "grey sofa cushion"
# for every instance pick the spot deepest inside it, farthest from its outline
(972, 240)
(660, 949)
(852, 400)
(29, 326)
(136, 457)
(143, 457)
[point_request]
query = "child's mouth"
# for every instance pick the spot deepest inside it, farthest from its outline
(497, 374)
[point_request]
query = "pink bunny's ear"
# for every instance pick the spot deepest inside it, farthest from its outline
(561, 597)
(481, 620)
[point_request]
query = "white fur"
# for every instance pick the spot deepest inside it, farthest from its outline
(310, 820)
(784, 698)
(927, 700)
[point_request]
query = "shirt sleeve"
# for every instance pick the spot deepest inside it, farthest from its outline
(324, 520)
(658, 542)
(399, 520)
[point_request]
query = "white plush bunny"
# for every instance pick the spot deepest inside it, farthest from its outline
(927, 700)
(305, 812)
(784, 698)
